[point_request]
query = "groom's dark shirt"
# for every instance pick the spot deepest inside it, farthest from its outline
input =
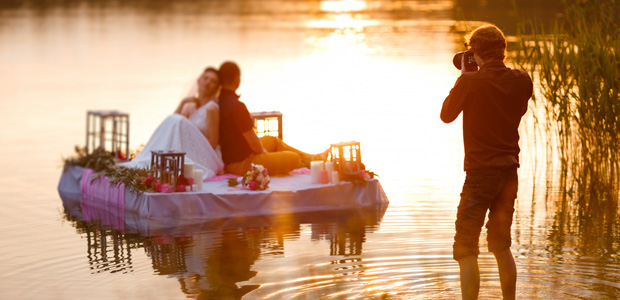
(234, 120)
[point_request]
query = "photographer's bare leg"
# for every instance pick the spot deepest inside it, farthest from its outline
(507, 273)
(470, 277)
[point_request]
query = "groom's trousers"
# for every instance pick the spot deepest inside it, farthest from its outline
(280, 159)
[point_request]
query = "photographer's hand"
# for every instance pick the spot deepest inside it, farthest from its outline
(476, 67)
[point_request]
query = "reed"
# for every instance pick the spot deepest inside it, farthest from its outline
(576, 61)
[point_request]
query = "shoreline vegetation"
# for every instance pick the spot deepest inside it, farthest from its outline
(575, 61)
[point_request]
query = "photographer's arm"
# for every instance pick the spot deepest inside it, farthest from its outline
(454, 103)
(529, 92)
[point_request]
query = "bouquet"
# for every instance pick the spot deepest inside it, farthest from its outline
(256, 178)
(151, 184)
(359, 177)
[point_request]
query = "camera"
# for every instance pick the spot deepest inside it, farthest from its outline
(470, 62)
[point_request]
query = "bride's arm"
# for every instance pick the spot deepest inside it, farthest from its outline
(213, 125)
(185, 100)
(188, 109)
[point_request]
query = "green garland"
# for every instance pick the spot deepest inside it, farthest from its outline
(104, 164)
(98, 160)
(132, 178)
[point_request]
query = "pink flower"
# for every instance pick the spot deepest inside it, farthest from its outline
(166, 188)
(120, 155)
(253, 185)
(181, 180)
(158, 187)
(148, 180)
(180, 188)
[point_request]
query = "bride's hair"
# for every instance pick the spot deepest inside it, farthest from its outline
(211, 69)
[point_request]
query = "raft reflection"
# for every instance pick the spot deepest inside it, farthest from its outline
(214, 259)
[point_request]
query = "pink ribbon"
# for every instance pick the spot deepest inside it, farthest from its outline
(100, 189)
(221, 177)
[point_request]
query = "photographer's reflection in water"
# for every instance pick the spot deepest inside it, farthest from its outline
(493, 101)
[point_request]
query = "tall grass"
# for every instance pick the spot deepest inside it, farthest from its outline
(576, 60)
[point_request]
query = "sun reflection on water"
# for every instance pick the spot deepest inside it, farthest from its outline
(341, 21)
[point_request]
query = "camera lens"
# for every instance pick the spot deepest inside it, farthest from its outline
(457, 60)
(470, 61)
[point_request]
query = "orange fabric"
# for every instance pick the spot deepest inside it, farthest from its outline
(280, 160)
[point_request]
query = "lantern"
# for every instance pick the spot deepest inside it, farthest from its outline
(167, 166)
(267, 123)
(108, 131)
(347, 158)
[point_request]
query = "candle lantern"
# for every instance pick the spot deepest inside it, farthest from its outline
(167, 166)
(267, 123)
(108, 131)
(347, 158)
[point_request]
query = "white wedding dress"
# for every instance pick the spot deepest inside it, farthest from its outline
(186, 135)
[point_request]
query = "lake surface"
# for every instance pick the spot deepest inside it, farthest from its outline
(371, 71)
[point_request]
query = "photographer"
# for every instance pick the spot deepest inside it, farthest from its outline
(492, 100)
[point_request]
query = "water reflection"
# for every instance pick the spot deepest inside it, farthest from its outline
(108, 251)
(215, 259)
(335, 65)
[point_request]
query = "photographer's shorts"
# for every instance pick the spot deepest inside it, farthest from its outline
(493, 190)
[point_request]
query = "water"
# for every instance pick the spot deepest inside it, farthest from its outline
(374, 71)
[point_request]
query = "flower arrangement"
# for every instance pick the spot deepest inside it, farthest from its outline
(256, 178)
(360, 177)
(137, 180)
(152, 185)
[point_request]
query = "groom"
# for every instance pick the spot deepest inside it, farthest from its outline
(240, 145)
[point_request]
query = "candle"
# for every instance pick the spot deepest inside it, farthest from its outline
(335, 177)
(198, 178)
(329, 167)
(324, 177)
(315, 171)
(188, 170)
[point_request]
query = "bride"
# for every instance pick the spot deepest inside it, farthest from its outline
(193, 129)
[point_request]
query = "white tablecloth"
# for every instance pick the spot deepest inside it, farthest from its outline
(286, 194)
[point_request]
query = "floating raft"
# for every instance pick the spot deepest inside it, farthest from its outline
(286, 194)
